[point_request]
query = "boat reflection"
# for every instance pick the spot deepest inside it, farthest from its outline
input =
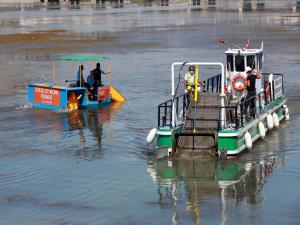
(204, 181)
(79, 132)
(92, 119)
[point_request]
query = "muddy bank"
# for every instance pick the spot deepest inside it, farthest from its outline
(51, 41)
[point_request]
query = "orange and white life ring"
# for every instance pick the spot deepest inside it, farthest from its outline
(268, 92)
(239, 82)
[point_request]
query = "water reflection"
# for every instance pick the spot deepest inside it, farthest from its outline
(232, 182)
(78, 133)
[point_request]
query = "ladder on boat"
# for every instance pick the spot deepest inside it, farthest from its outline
(201, 124)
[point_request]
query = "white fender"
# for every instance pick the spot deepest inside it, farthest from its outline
(270, 123)
(151, 136)
(248, 140)
(248, 166)
(275, 120)
(286, 112)
(262, 130)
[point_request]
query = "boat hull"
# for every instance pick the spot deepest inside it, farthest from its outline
(232, 142)
(51, 97)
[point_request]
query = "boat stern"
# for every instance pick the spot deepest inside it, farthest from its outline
(48, 96)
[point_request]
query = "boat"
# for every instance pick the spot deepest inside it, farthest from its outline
(215, 121)
(69, 98)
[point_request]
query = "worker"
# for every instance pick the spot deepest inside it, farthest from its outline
(90, 82)
(97, 72)
(251, 92)
(98, 75)
(189, 82)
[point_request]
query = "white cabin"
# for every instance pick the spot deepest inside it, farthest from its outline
(239, 58)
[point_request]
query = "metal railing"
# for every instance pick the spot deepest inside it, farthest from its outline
(164, 115)
(239, 115)
(165, 110)
(276, 86)
(213, 84)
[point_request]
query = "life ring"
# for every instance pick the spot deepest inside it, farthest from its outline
(239, 82)
(268, 93)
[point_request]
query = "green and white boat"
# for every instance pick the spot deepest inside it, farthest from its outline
(215, 120)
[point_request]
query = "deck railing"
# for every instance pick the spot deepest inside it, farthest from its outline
(165, 110)
(240, 114)
(213, 84)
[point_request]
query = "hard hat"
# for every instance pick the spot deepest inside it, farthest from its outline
(191, 68)
(248, 68)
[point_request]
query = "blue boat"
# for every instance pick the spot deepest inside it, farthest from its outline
(70, 98)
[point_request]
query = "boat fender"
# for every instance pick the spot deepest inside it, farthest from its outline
(248, 140)
(248, 166)
(262, 130)
(270, 123)
(286, 112)
(275, 120)
(151, 136)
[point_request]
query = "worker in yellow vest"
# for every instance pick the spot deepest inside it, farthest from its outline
(189, 80)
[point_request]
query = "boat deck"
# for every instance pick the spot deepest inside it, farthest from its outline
(201, 126)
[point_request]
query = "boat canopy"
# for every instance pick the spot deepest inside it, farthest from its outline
(83, 58)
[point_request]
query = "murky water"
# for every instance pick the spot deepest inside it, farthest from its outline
(93, 167)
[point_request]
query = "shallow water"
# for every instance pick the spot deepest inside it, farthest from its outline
(93, 167)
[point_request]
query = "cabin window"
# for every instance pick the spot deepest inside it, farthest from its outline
(260, 59)
(251, 61)
(230, 62)
(239, 63)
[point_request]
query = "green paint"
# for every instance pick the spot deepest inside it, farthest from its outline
(82, 58)
(228, 171)
(229, 143)
(164, 141)
(168, 173)
(274, 103)
(167, 139)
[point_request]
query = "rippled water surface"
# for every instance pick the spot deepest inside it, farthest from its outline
(93, 166)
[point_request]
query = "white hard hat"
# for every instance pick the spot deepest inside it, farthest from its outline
(248, 68)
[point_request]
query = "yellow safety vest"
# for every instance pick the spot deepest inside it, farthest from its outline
(189, 79)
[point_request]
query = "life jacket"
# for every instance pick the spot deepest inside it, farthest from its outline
(189, 78)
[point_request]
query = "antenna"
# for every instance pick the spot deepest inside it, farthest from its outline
(222, 41)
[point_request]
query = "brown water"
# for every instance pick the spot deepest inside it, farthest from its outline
(93, 167)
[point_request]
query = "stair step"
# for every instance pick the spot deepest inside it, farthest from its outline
(206, 113)
(211, 105)
(202, 124)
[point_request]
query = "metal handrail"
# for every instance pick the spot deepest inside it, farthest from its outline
(213, 84)
(165, 110)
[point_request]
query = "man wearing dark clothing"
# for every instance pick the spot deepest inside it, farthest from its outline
(97, 77)
(251, 93)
